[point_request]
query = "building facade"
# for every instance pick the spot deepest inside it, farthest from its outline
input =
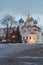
(5, 31)
(30, 31)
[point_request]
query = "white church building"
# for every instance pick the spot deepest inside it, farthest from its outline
(30, 31)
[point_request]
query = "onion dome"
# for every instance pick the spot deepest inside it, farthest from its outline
(21, 20)
(31, 19)
(35, 22)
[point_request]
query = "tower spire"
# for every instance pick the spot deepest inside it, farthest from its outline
(28, 17)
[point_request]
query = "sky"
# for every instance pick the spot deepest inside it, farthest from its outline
(20, 8)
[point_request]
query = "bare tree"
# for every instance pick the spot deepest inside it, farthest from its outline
(6, 20)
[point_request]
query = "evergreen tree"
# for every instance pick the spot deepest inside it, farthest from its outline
(19, 38)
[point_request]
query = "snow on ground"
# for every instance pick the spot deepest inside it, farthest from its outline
(30, 57)
(9, 49)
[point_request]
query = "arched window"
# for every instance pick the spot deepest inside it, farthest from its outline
(27, 37)
(30, 37)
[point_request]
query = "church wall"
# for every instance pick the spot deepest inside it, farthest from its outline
(26, 37)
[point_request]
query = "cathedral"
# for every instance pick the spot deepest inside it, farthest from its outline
(30, 31)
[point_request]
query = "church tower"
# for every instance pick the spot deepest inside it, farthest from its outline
(27, 20)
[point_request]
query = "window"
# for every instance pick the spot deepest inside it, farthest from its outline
(30, 37)
(27, 37)
(23, 38)
(34, 29)
(24, 30)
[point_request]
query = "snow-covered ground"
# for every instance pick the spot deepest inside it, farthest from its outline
(9, 49)
(27, 54)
